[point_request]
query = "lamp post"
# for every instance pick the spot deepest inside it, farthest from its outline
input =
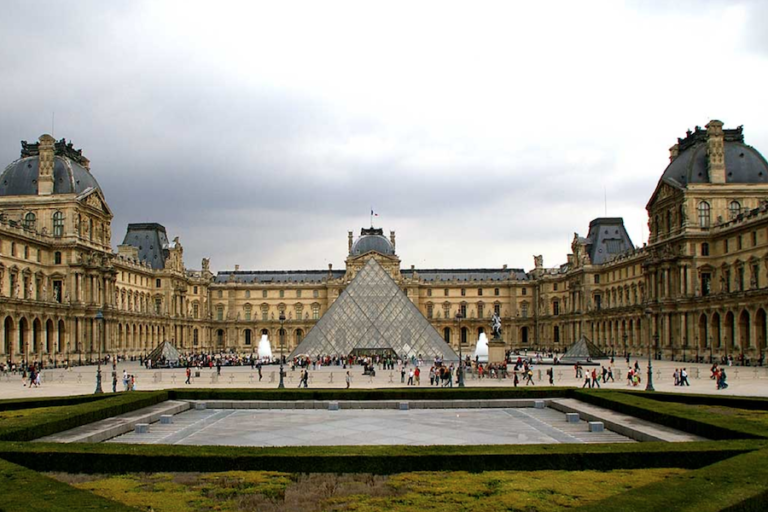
(281, 335)
(460, 369)
(649, 384)
(100, 322)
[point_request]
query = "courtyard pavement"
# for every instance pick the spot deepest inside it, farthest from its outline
(743, 381)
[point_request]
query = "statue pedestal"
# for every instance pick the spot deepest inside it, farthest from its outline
(496, 351)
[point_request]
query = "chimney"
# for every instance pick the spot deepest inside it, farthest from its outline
(673, 152)
(715, 152)
(349, 241)
(45, 172)
(392, 239)
(237, 267)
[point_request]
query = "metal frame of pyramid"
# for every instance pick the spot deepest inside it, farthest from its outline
(373, 313)
(170, 352)
(582, 350)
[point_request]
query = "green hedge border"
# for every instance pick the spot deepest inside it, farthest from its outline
(15, 404)
(58, 419)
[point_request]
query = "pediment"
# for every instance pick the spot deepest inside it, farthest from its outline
(93, 198)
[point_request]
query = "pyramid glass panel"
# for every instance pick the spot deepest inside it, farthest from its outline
(374, 313)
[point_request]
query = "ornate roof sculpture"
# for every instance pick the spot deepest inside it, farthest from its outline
(70, 170)
(374, 313)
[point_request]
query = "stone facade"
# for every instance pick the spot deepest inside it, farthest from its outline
(698, 288)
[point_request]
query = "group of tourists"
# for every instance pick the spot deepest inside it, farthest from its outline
(680, 376)
(719, 376)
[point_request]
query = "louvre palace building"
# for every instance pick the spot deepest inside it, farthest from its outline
(697, 288)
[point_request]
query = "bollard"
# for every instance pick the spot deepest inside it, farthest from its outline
(390, 378)
(596, 426)
(141, 428)
(166, 419)
(330, 378)
(572, 417)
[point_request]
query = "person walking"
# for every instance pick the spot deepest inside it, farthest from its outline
(417, 375)
(410, 377)
(189, 376)
(114, 381)
(595, 380)
(529, 377)
(684, 378)
(610, 374)
(306, 377)
(348, 379)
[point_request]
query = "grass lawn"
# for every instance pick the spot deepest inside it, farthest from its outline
(528, 491)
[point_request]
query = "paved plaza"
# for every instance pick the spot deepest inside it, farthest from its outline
(286, 427)
(743, 381)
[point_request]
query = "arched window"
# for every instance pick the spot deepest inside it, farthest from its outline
(58, 224)
(734, 208)
(29, 221)
(704, 217)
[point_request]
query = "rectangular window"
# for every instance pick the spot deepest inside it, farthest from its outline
(463, 292)
(497, 292)
(429, 292)
(463, 310)
(446, 292)
(598, 302)
(430, 310)
(194, 290)
(705, 249)
(706, 283)
(727, 279)
(755, 276)
(196, 337)
(195, 312)
(754, 239)
(479, 292)
(158, 305)
(738, 243)
(298, 294)
(497, 309)
(26, 252)
(247, 294)
(158, 283)
(479, 311)
(556, 308)
(525, 291)
(264, 315)
(725, 246)
(315, 313)
(741, 279)
(554, 286)
(219, 293)
(25, 291)
(247, 315)
(219, 313)
(315, 294)
(57, 291)
(264, 294)
(57, 258)
(524, 310)
(282, 293)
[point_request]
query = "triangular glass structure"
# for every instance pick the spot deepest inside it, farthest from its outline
(164, 354)
(373, 315)
(583, 350)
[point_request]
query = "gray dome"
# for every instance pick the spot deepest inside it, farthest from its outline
(743, 164)
(20, 178)
(368, 243)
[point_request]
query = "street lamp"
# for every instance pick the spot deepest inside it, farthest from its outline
(281, 335)
(100, 322)
(649, 384)
(459, 318)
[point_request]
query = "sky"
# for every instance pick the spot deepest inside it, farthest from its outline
(483, 133)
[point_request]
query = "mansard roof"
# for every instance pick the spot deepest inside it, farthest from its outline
(152, 242)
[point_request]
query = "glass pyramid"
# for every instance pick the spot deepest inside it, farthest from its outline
(373, 315)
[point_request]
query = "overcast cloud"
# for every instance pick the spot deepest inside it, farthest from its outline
(482, 132)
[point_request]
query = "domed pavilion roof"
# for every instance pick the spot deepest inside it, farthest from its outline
(372, 239)
(71, 173)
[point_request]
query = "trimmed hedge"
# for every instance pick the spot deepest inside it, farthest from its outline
(749, 403)
(43, 422)
(118, 458)
(737, 484)
(15, 404)
(672, 415)
(24, 490)
(412, 393)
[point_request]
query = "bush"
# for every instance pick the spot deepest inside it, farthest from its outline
(671, 415)
(25, 490)
(40, 422)
(16, 404)
(413, 393)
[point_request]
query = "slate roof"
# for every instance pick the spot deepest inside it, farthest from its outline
(468, 274)
(152, 242)
(69, 177)
(743, 163)
(277, 276)
(607, 238)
